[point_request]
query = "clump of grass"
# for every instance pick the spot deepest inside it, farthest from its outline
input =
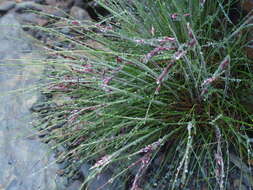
(166, 84)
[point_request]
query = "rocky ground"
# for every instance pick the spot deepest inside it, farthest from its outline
(26, 12)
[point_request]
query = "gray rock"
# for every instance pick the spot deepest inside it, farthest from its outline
(102, 180)
(79, 13)
(25, 163)
(59, 3)
(28, 6)
(41, 106)
(51, 2)
(81, 3)
(32, 18)
(75, 185)
(12, 37)
(39, 1)
(65, 30)
(59, 13)
(63, 165)
(6, 6)
(85, 169)
(60, 148)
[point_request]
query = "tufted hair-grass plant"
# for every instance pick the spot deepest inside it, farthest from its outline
(167, 92)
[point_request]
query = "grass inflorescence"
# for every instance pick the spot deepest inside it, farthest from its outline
(158, 86)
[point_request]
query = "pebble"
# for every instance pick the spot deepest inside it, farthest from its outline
(79, 13)
(55, 12)
(81, 3)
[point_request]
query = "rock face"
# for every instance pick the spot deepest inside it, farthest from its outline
(24, 161)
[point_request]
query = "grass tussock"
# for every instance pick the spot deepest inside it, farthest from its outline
(155, 81)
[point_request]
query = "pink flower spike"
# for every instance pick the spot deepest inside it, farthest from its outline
(156, 51)
(179, 54)
(174, 16)
(192, 43)
(139, 41)
(224, 64)
(204, 91)
(107, 80)
(119, 59)
(164, 73)
(75, 22)
(152, 147)
(190, 32)
(208, 81)
(166, 39)
(158, 88)
(87, 68)
(103, 161)
(171, 39)
(187, 14)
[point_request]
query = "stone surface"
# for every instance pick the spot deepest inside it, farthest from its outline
(81, 3)
(61, 99)
(102, 180)
(60, 4)
(51, 2)
(237, 184)
(54, 11)
(32, 18)
(25, 162)
(6, 6)
(74, 186)
(79, 13)
(39, 1)
(27, 6)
